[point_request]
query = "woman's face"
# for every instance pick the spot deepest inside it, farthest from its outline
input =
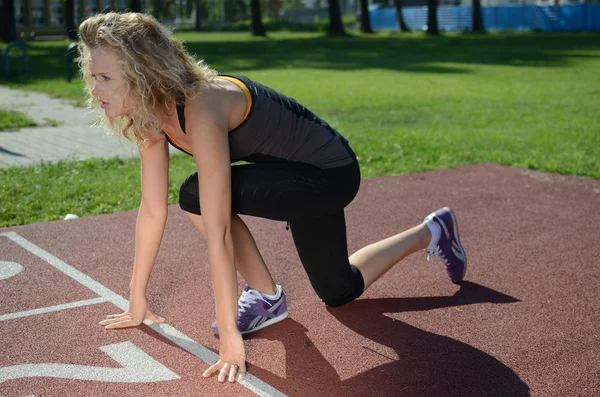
(110, 85)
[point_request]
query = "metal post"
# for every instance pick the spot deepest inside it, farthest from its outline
(7, 56)
(71, 49)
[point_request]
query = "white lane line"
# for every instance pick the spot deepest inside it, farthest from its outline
(68, 270)
(251, 382)
(42, 310)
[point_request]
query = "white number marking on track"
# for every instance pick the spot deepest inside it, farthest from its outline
(137, 367)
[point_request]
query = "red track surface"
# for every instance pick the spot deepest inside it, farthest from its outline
(525, 323)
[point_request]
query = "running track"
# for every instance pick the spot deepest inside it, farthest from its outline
(525, 323)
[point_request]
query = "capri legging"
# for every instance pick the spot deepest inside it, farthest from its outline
(312, 200)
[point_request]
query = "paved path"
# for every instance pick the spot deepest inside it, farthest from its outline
(73, 138)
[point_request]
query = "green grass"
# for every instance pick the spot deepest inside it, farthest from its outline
(11, 120)
(407, 103)
(50, 191)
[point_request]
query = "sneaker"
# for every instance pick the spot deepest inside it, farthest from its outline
(447, 247)
(256, 311)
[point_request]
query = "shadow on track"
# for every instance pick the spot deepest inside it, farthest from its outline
(427, 365)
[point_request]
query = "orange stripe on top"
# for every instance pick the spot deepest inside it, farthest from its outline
(243, 87)
(246, 92)
(176, 144)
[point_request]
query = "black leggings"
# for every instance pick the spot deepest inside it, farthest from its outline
(312, 200)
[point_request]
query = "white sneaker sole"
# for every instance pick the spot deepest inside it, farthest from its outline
(271, 321)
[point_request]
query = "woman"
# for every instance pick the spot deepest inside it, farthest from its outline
(300, 170)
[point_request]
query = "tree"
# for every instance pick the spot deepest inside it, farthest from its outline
(157, 9)
(8, 25)
(477, 18)
(365, 19)
(198, 24)
(336, 27)
(403, 26)
(258, 29)
(135, 5)
(432, 22)
(70, 19)
(238, 10)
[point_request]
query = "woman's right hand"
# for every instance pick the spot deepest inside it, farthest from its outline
(138, 312)
(232, 358)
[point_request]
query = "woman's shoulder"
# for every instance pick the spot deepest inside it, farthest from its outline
(215, 94)
(221, 103)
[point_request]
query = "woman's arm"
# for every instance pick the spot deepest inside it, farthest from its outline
(152, 215)
(207, 129)
(151, 220)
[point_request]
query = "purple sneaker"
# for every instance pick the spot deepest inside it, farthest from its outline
(256, 311)
(447, 247)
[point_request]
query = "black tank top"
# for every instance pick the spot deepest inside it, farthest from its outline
(278, 128)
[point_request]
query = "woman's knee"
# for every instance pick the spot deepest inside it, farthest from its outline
(334, 298)
(338, 292)
(189, 195)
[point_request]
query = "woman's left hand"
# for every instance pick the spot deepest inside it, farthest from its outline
(232, 359)
(138, 312)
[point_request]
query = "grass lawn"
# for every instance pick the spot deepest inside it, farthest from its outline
(407, 103)
(11, 120)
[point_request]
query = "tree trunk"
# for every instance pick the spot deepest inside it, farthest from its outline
(70, 19)
(136, 5)
(403, 26)
(157, 9)
(477, 18)
(365, 19)
(336, 27)
(198, 24)
(258, 29)
(8, 25)
(432, 22)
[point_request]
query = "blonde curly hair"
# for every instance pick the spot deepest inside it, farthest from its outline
(156, 66)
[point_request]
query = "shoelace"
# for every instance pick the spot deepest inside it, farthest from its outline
(248, 298)
(437, 252)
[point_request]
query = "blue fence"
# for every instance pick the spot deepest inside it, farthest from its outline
(569, 18)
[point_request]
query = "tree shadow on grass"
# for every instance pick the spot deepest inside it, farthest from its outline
(46, 60)
(413, 53)
(428, 364)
